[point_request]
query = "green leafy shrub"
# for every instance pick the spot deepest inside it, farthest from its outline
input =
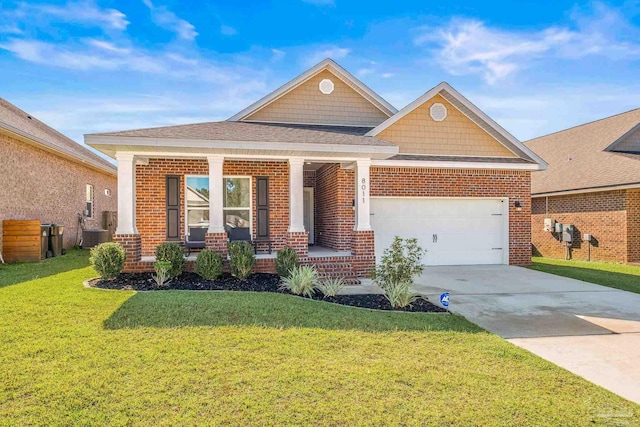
(173, 253)
(331, 286)
(162, 277)
(400, 264)
(301, 280)
(242, 259)
(286, 260)
(209, 264)
(107, 259)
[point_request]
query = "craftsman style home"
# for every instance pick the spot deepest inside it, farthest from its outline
(326, 166)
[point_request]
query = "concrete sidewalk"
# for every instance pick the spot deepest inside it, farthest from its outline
(591, 330)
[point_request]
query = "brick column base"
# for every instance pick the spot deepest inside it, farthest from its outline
(132, 244)
(299, 242)
(217, 242)
(363, 251)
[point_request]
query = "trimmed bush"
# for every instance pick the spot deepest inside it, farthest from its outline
(331, 286)
(108, 260)
(400, 263)
(162, 269)
(301, 280)
(242, 259)
(286, 260)
(173, 253)
(209, 264)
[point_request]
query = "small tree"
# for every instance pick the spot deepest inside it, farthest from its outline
(242, 259)
(286, 260)
(173, 253)
(209, 264)
(400, 264)
(108, 260)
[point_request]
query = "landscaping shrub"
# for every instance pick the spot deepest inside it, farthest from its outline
(162, 268)
(331, 286)
(286, 260)
(242, 259)
(301, 280)
(173, 253)
(209, 264)
(400, 264)
(108, 260)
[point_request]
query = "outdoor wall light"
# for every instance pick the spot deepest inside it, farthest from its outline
(518, 205)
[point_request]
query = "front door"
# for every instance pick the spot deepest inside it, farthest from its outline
(308, 213)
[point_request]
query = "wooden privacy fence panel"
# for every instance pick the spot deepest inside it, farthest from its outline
(21, 240)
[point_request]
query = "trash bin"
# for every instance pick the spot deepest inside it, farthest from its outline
(45, 230)
(55, 239)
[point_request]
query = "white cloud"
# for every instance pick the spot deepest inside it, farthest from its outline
(386, 75)
(108, 46)
(365, 71)
(277, 55)
(320, 2)
(468, 46)
(10, 29)
(82, 12)
(168, 20)
(332, 52)
(226, 30)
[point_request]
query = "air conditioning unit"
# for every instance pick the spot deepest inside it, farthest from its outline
(93, 237)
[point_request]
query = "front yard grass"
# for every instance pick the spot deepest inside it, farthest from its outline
(619, 276)
(76, 356)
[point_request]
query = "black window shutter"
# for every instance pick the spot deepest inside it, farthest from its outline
(173, 207)
(262, 207)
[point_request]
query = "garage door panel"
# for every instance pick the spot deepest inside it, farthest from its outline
(469, 231)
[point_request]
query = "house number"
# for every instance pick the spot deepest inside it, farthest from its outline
(364, 188)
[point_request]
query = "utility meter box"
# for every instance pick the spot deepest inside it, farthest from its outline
(558, 227)
(586, 237)
(549, 225)
(567, 233)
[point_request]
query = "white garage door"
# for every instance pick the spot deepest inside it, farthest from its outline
(454, 231)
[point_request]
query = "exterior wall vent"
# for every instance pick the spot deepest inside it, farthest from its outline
(438, 112)
(326, 86)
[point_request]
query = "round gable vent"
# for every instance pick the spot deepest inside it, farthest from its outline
(326, 86)
(438, 112)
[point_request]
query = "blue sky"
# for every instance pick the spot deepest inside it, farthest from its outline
(97, 65)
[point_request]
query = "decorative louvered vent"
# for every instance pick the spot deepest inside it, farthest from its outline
(438, 112)
(326, 86)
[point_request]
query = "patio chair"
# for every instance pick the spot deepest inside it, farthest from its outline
(195, 239)
(238, 234)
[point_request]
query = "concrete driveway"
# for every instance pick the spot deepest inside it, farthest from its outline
(591, 330)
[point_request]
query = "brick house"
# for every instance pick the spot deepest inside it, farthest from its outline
(592, 183)
(49, 177)
(326, 166)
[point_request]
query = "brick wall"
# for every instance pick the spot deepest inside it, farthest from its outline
(37, 184)
(151, 197)
(601, 214)
(633, 226)
(335, 219)
(423, 182)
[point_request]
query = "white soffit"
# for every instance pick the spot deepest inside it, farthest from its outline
(476, 115)
(335, 69)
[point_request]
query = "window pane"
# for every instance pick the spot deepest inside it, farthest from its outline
(237, 192)
(198, 218)
(235, 218)
(89, 193)
(197, 192)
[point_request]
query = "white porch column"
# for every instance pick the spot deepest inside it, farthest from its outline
(126, 193)
(363, 204)
(296, 195)
(216, 188)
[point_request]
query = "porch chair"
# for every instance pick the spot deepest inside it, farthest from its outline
(240, 234)
(195, 239)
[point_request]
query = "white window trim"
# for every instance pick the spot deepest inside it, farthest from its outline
(224, 177)
(91, 212)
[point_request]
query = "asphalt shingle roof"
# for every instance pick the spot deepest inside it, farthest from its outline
(578, 159)
(32, 128)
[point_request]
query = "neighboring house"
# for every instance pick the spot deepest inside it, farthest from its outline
(328, 167)
(49, 177)
(592, 183)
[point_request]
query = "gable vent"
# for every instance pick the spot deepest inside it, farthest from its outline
(326, 86)
(438, 112)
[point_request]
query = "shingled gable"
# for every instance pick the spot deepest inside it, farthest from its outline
(352, 103)
(500, 143)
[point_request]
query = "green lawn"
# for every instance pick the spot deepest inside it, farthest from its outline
(76, 356)
(619, 276)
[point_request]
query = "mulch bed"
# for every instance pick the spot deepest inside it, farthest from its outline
(258, 282)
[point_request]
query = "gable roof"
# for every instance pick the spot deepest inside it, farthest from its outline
(334, 68)
(22, 124)
(463, 105)
(583, 157)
